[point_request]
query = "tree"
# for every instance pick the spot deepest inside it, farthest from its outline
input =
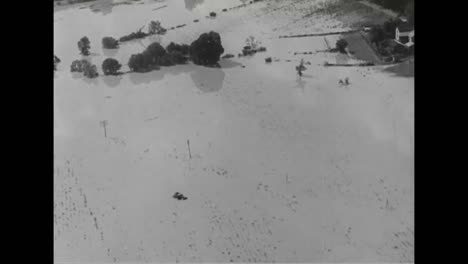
(389, 28)
(155, 27)
(341, 45)
(77, 66)
(110, 43)
(90, 70)
(409, 12)
(182, 48)
(111, 66)
(207, 49)
(177, 57)
(376, 34)
(84, 46)
(154, 52)
(135, 63)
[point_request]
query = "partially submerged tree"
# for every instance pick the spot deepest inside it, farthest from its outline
(207, 49)
(155, 27)
(110, 43)
(84, 46)
(111, 66)
(252, 43)
(341, 45)
(140, 63)
(134, 35)
(77, 66)
(154, 52)
(89, 70)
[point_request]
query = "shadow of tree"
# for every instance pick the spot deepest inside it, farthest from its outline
(227, 63)
(112, 80)
(404, 69)
(206, 79)
(157, 75)
(110, 52)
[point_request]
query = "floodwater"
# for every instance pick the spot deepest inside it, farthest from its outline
(276, 168)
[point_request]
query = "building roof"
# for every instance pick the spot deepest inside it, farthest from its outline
(405, 26)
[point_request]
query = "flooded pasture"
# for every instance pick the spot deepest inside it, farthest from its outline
(275, 168)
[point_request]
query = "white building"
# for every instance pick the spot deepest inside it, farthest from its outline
(404, 34)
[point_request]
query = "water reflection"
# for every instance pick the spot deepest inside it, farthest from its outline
(112, 81)
(208, 80)
(103, 6)
(110, 52)
(226, 64)
(157, 75)
(191, 4)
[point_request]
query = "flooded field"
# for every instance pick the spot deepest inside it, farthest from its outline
(275, 168)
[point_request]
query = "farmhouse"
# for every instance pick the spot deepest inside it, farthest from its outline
(404, 33)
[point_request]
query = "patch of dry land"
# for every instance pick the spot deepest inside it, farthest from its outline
(280, 169)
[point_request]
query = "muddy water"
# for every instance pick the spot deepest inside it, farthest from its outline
(280, 168)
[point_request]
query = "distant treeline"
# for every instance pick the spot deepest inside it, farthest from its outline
(396, 5)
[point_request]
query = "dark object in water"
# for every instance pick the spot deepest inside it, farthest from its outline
(319, 34)
(207, 49)
(212, 14)
(268, 60)
(227, 56)
(179, 26)
(224, 10)
(196, 20)
(134, 35)
(110, 43)
(179, 196)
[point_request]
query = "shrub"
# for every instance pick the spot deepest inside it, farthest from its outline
(110, 43)
(110, 66)
(400, 50)
(84, 46)
(376, 34)
(341, 45)
(207, 49)
(212, 14)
